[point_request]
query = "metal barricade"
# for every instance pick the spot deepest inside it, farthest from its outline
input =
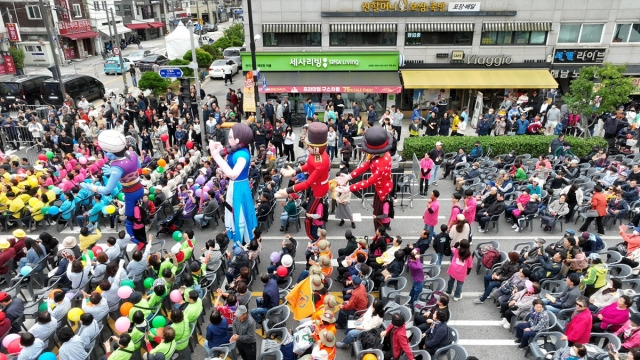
(39, 110)
(15, 137)
(32, 153)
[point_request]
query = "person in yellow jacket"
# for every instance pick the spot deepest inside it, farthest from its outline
(596, 275)
(455, 124)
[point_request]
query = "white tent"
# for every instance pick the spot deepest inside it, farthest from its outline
(178, 42)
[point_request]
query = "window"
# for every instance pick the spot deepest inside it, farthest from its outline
(514, 38)
(292, 39)
(127, 10)
(33, 48)
(626, 33)
(580, 33)
(77, 10)
(138, 10)
(33, 12)
(362, 38)
(117, 7)
(96, 5)
(438, 38)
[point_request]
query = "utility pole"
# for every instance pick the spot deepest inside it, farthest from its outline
(115, 30)
(208, 12)
(199, 23)
(252, 47)
(194, 60)
(104, 4)
(166, 17)
(48, 24)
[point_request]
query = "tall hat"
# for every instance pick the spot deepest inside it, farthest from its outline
(377, 141)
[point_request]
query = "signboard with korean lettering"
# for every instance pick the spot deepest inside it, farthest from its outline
(323, 61)
(311, 88)
(14, 33)
(455, 6)
(9, 65)
(64, 13)
(406, 5)
(579, 56)
(74, 27)
(560, 73)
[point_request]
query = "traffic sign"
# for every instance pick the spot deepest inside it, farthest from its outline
(116, 51)
(170, 73)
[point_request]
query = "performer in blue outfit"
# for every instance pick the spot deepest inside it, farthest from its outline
(241, 219)
(123, 168)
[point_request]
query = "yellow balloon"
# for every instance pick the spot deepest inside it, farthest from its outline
(110, 209)
(33, 182)
(74, 314)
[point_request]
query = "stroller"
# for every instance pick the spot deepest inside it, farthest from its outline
(171, 223)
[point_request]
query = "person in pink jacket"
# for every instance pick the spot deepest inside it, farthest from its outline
(426, 165)
(470, 206)
(629, 333)
(578, 330)
(461, 264)
(612, 316)
(431, 212)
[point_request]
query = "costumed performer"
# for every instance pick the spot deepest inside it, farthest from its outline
(241, 220)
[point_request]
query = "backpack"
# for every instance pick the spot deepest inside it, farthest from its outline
(490, 258)
(144, 214)
(370, 339)
(432, 302)
(599, 244)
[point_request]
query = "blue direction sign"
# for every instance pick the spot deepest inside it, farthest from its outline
(170, 73)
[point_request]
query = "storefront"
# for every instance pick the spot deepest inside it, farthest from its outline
(76, 39)
(146, 30)
(365, 77)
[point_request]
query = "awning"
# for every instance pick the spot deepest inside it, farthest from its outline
(104, 29)
(478, 79)
(517, 26)
(386, 82)
(439, 27)
(82, 35)
(157, 24)
(291, 28)
(371, 27)
(138, 26)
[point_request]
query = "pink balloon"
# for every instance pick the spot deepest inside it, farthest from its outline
(122, 324)
(9, 339)
(175, 296)
(124, 292)
(83, 160)
(206, 189)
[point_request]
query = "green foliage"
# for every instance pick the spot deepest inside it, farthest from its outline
(187, 72)
(203, 58)
(151, 80)
(223, 43)
(18, 57)
(235, 33)
(535, 145)
(607, 81)
(215, 52)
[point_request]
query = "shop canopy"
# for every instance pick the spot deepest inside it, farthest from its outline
(104, 29)
(137, 26)
(478, 79)
(386, 82)
(82, 35)
(157, 24)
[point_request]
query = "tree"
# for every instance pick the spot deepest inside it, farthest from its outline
(606, 82)
(235, 33)
(187, 72)
(18, 57)
(203, 58)
(223, 43)
(215, 52)
(151, 80)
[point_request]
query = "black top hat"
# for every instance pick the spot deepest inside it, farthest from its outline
(377, 141)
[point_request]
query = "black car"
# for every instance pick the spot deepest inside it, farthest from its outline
(22, 87)
(77, 86)
(146, 64)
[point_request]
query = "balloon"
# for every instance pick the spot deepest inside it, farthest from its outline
(274, 257)
(43, 307)
(148, 283)
(128, 283)
(50, 187)
(44, 210)
(14, 347)
(152, 197)
(162, 162)
(152, 190)
(47, 356)
(9, 339)
(159, 321)
(91, 256)
(4, 357)
(189, 144)
(121, 196)
(33, 182)
(159, 169)
(125, 308)
(83, 160)
(369, 357)
(110, 209)
(78, 155)
(199, 193)
(206, 189)
(281, 271)
(122, 324)
(25, 270)
(57, 190)
(42, 157)
(177, 235)
(146, 171)
(49, 155)
(54, 210)
(175, 296)
(74, 314)
(97, 249)
(164, 137)
(33, 201)
(124, 292)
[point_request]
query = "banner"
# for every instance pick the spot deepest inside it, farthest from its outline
(374, 89)
(9, 65)
(301, 300)
(14, 33)
(249, 103)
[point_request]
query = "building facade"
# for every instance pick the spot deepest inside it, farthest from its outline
(454, 49)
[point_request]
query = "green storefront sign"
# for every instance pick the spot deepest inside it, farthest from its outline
(323, 61)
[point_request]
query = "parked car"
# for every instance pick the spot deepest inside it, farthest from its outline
(75, 85)
(206, 39)
(146, 64)
(233, 53)
(210, 27)
(139, 55)
(22, 87)
(216, 70)
(112, 65)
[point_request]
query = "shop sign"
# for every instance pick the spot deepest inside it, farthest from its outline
(331, 89)
(406, 5)
(579, 56)
(565, 73)
(490, 60)
(64, 13)
(636, 86)
(463, 6)
(14, 33)
(74, 27)
(9, 65)
(323, 61)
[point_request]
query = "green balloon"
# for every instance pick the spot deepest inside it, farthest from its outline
(49, 155)
(152, 190)
(91, 256)
(121, 196)
(159, 321)
(177, 235)
(148, 283)
(43, 307)
(44, 210)
(128, 283)
(160, 169)
(152, 197)
(50, 187)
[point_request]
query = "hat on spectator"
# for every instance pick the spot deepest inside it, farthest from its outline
(570, 232)
(241, 310)
(4, 244)
(135, 297)
(19, 233)
(315, 270)
(541, 241)
(330, 303)
(2, 316)
(586, 235)
(460, 217)
(316, 283)
(3, 296)
(528, 285)
(69, 242)
(237, 250)
(327, 338)
(328, 316)
(356, 280)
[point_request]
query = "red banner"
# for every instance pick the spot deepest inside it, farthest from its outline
(64, 14)
(9, 66)
(378, 89)
(14, 33)
(74, 27)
